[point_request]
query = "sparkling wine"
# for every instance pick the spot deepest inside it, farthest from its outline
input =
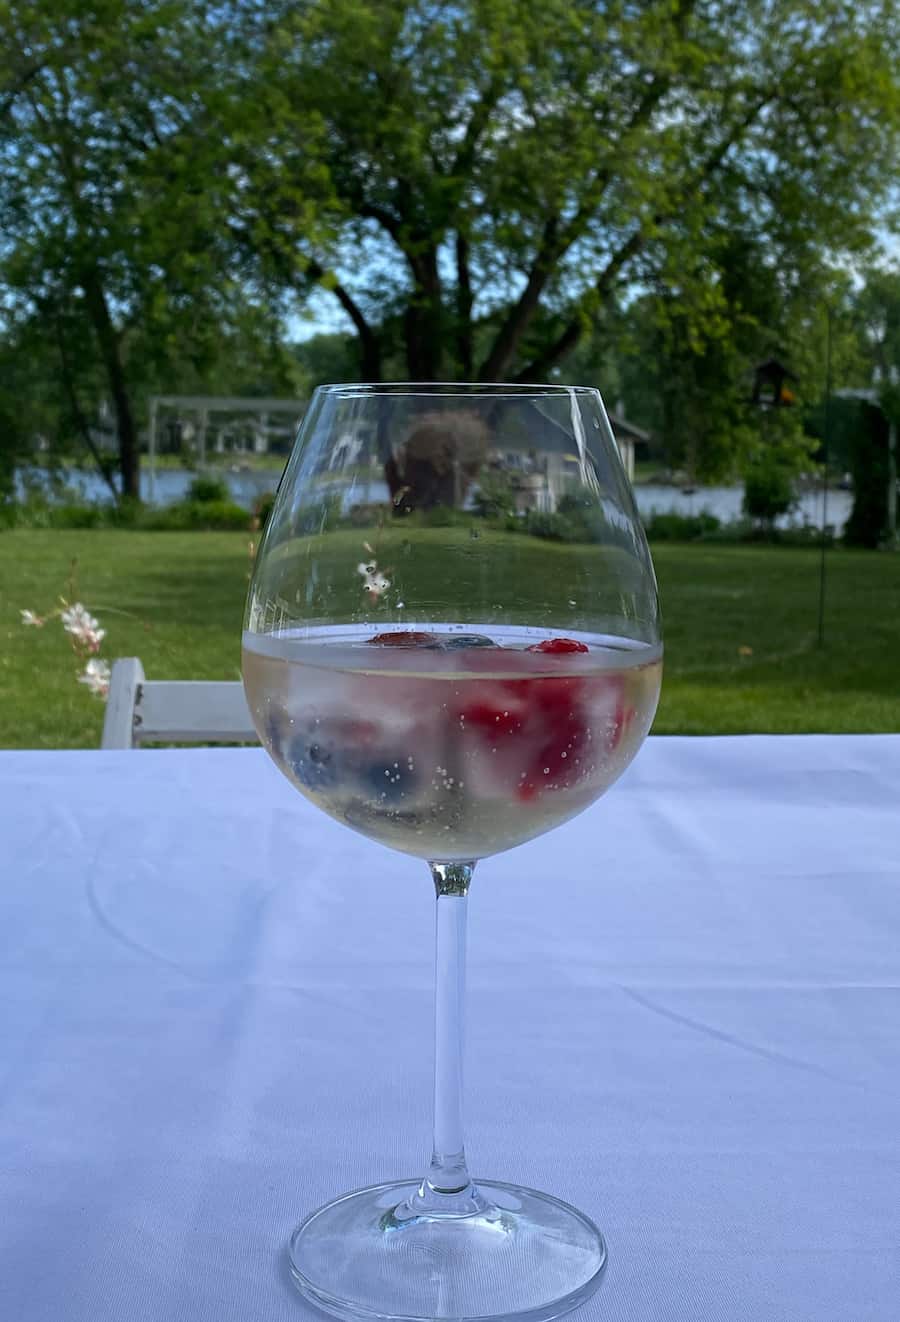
(449, 744)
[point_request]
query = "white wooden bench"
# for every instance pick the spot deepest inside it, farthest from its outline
(140, 711)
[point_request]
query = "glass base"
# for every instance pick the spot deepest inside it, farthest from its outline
(503, 1252)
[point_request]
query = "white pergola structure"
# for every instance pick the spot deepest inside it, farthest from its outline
(204, 407)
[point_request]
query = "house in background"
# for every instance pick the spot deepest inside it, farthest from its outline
(539, 480)
(627, 437)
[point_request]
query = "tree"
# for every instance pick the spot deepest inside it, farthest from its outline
(113, 196)
(493, 172)
(869, 462)
(876, 312)
(682, 362)
(873, 445)
(483, 187)
(43, 384)
(325, 358)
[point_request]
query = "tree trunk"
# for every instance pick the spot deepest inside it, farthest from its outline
(464, 302)
(104, 464)
(423, 322)
(108, 339)
(369, 343)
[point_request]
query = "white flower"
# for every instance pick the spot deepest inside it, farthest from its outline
(83, 627)
(374, 581)
(96, 676)
(29, 617)
(77, 618)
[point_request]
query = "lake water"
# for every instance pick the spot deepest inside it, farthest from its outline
(725, 503)
(245, 485)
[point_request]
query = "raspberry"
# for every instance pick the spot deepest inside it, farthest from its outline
(406, 638)
(556, 763)
(491, 718)
(557, 646)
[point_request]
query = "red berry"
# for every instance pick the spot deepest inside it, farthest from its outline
(547, 695)
(557, 646)
(405, 638)
(557, 762)
(492, 719)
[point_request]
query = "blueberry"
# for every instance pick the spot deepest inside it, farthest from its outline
(460, 640)
(312, 763)
(388, 779)
(274, 725)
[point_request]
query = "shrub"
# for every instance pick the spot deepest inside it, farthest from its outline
(215, 516)
(38, 512)
(681, 527)
(554, 527)
(127, 514)
(367, 514)
(262, 508)
(495, 498)
(197, 516)
(77, 516)
(768, 490)
(806, 534)
(444, 516)
(208, 490)
(576, 519)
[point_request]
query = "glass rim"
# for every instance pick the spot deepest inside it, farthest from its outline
(462, 389)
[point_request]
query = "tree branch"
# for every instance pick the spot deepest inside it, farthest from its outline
(463, 304)
(462, 161)
(556, 240)
(521, 313)
(370, 346)
(573, 331)
(575, 227)
(9, 98)
(387, 221)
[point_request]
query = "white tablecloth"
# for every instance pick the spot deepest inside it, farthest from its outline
(684, 1017)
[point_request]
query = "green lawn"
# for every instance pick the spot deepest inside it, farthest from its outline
(176, 599)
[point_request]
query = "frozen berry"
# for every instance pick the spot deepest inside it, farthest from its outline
(275, 721)
(491, 717)
(388, 780)
(406, 638)
(322, 753)
(312, 763)
(557, 646)
(465, 640)
(558, 764)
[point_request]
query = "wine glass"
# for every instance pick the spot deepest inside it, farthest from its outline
(452, 644)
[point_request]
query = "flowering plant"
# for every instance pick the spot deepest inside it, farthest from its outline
(85, 636)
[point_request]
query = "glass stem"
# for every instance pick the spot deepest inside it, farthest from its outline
(447, 1189)
(447, 1186)
(447, 1173)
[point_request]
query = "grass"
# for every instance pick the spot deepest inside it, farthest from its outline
(176, 599)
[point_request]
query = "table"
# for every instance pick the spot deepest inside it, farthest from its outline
(684, 1017)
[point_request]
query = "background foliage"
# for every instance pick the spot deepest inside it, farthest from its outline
(651, 198)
